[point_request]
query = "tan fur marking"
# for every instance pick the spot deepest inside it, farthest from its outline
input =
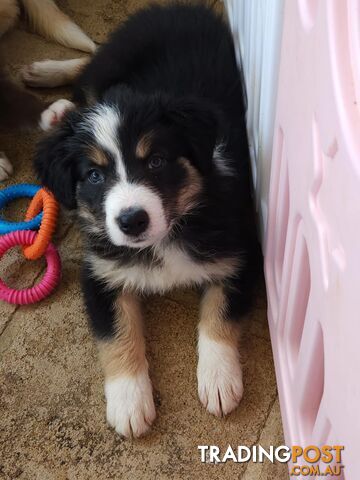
(90, 224)
(98, 156)
(85, 213)
(125, 354)
(143, 146)
(187, 196)
(48, 20)
(212, 322)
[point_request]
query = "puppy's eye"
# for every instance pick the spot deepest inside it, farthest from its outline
(95, 176)
(156, 162)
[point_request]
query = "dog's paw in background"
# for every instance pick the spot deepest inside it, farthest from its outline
(53, 73)
(130, 405)
(18, 109)
(54, 113)
(6, 168)
(219, 373)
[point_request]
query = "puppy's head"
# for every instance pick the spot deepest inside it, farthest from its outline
(132, 166)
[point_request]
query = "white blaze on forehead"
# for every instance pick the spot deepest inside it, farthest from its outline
(105, 122)
(126, 195)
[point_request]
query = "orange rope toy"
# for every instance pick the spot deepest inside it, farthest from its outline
(43, 200)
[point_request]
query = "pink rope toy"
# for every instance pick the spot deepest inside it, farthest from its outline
(50, 280)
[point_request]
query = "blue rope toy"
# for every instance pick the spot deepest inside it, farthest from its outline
(11, 193)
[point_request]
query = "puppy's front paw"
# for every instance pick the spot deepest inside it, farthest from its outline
(54, 113)
(6, 168)
(130, 405)
(219, 373)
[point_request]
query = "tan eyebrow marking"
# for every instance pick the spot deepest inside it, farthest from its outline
(144, 144)
(98, 156)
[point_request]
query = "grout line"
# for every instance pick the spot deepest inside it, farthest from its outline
(11, 316)
(18, 306)
(9, 319)
(261, 429)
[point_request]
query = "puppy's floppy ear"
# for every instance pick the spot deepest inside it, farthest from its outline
(198, 121)
(55, 161)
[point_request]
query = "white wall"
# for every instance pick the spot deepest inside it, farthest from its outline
(257, 29)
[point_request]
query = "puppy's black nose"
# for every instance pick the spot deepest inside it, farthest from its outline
(133, 221)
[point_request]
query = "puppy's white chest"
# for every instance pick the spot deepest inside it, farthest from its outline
(176, 269)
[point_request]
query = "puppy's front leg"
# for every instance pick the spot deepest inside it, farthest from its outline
(219, 371)
(117, 323)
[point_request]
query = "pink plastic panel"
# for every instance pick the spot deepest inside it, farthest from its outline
(313, 236)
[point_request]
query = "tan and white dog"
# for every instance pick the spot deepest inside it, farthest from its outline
(19, 108)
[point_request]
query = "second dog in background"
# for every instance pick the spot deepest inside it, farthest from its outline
(19, 108)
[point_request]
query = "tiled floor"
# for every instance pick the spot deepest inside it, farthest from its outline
(52, 422)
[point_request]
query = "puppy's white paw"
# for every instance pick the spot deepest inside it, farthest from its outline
(54, 113)
(219, 373)
(47, 73)
(130, 405)
(6, 168)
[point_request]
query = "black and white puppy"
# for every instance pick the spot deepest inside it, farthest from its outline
(155, 161)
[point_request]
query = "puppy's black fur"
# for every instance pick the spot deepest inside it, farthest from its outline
(170, 71)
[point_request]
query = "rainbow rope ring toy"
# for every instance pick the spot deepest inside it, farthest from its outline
(35, 245)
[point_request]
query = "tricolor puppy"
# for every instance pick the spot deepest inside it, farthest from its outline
(154, 159)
